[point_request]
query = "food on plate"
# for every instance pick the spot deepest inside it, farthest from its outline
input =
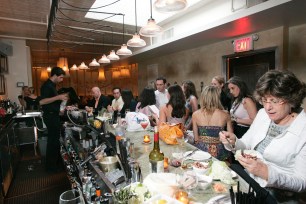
(175, 162)
(141, 191)
(201, 165)
(249, 154)
(219, 187)
(220, 171)
(136, 193)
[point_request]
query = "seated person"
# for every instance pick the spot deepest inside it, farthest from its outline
(129, 103)
(209, 121)
(278, 135)
(24, 93)
(98, 102)
(117, 102)
(174, 111)
(32, 101)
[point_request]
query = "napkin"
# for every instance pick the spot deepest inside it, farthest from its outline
(161, 183)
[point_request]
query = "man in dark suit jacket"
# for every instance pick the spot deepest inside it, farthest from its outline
(98, 102)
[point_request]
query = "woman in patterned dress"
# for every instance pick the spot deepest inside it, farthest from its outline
(209, 121)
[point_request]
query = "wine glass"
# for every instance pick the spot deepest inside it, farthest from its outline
(144, 124)
(73, 196)
(188, 180)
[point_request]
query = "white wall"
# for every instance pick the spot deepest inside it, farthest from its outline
(19, 68)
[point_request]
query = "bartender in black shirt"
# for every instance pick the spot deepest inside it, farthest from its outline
(50, 102)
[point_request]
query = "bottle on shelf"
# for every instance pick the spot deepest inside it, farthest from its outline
(156, 157)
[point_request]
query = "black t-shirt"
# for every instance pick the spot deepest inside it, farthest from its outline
(103, 103)
(48, 90)
(32, 103)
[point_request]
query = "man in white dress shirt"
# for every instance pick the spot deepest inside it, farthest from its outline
(161, 92)
(117, 102)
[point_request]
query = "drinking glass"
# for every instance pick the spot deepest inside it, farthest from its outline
(73, 196)
(144, 124)
(188, 180)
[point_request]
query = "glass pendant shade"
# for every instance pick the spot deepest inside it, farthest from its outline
(136, 41)
(74, 67)
(124, 50)
(104, 60)
(62, 62)
(44, 75)
(151, 29)
(125, 73)
(83, 66)
(170, 5)
(101, 76)
(94, 63)
(116, 74)
(113, 56)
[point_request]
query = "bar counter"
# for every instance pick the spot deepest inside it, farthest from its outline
(141, 154)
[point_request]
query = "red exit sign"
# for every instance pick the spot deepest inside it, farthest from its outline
(243, 44)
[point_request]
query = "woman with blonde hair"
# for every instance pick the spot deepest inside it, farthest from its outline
(209, 121)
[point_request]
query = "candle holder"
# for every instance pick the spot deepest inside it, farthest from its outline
(182, 196)
(146, 139)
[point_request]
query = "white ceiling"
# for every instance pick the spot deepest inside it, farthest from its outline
(127, 7)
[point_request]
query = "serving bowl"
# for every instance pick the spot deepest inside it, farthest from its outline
(200, 167)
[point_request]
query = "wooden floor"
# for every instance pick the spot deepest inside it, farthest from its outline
(32, 184)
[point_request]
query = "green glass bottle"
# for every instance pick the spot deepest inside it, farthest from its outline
(156, 157)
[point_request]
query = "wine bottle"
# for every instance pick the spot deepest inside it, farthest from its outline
(156, 157)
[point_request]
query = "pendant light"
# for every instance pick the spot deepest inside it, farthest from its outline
(124, 49)
(83, 66)
(74, 68)
(151, 29)
(165, 6)
(136, 41)
(112, 55)
(94, 63)
(49, 67)
(104, 59)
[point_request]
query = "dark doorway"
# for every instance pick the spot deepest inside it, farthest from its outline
(250, 66)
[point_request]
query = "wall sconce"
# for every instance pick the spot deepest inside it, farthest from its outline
(101, 76)
(116, 74)
(44, 75)
(125, 73)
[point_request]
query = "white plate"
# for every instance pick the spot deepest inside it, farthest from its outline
(198, 155)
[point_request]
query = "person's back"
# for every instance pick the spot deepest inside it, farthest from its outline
(209, 121)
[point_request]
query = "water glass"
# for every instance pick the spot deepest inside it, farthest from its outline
(73, 196)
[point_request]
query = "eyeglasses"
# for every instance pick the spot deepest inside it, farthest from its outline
(264, 101)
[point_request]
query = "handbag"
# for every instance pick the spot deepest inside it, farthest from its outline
(256, 194)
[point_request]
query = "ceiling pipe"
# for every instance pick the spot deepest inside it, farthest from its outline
(23, 21)
(61, 41)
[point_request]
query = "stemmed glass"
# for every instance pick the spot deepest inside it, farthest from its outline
(73, 196)
(187, 180)
(144, 124)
